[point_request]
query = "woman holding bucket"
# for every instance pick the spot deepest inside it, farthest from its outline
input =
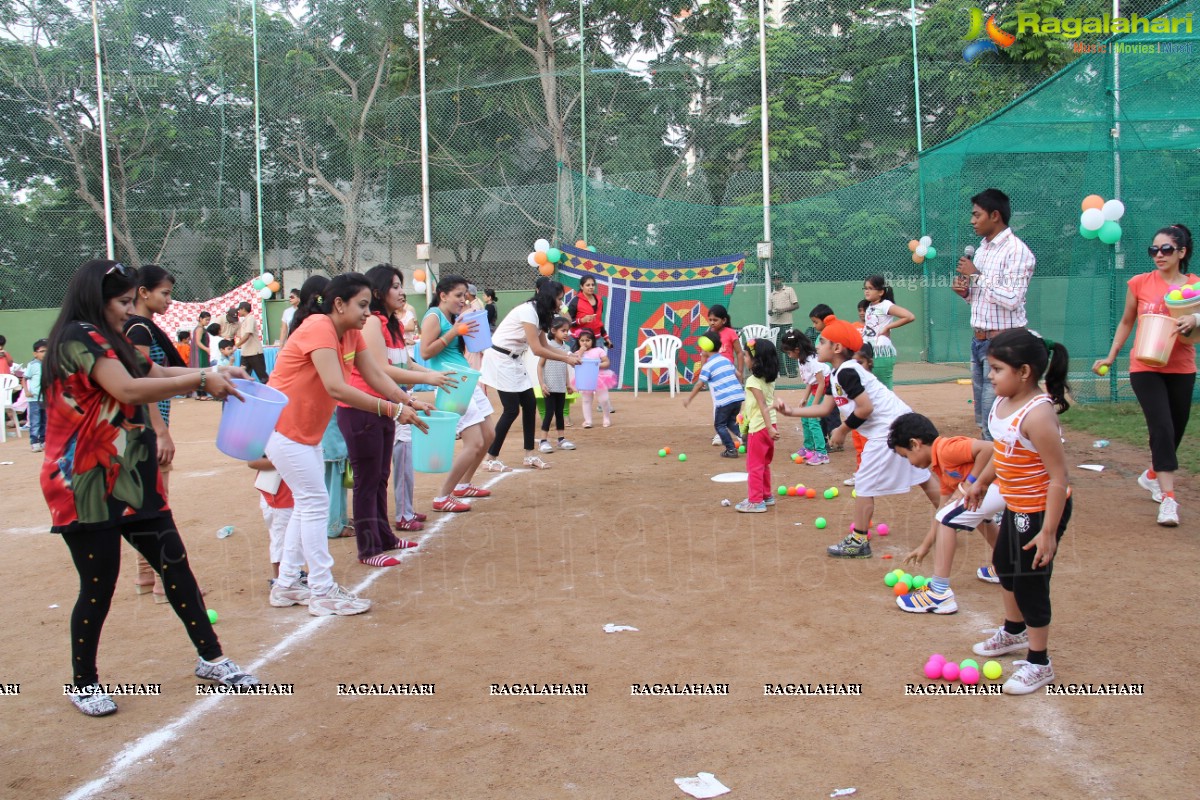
(370, 438)
(1163, 382)
(314, 370)
(100, 474)
(444, 350)
(523, 329)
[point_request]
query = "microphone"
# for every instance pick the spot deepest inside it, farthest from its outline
(969, 251)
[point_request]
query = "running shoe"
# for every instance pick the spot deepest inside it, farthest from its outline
(987, 574)
(472, 491)
(224, 672)
(94, 702)
(746, 507)
(1151, 486)
(850, 548)
(563, 444)
(1168, 513)
(338, 602)
(291, 596)
(451, 504)
(925, 600)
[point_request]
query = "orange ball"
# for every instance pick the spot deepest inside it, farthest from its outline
(667, 450)
(418, 274)
(900, 588)
(810, 492)
(1092, 201)
(791, 491)
(464, 329)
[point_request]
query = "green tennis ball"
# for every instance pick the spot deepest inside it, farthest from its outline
(992, 670)
(1103, 369)
(829, 494)
(919, 581)
(683, 456)
(662, 453)
(969, 662)
(890, 580)
(820, 522)
(212, 616)
(741, 448)
(781, 491)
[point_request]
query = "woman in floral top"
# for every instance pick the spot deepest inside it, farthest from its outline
(100, 476)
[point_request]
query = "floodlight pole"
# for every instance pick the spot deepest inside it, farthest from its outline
(1118, 253)
(583, 167)
(109, 249)
(424, 250)
(258, 193)
(765, 249)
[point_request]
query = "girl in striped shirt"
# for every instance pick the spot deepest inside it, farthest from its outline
(1030, 465)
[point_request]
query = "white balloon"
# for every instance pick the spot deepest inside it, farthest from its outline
(266, 277)
(419, 286)
(921, 250)
(1114, 210)
(925, 241)
(1092, 219)
(532, 261)
(265, 293)
(541, 245)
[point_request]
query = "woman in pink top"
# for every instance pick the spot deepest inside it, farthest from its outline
(1165, 393)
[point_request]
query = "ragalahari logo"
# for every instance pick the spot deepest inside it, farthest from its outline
(995, 37)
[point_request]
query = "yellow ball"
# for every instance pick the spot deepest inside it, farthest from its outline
(992, 670)
(1103, 369)
(706, 344)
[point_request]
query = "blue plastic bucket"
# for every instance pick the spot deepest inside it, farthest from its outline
(247, 425)
(587, 373)
(434, 451)
(457, 400)
(481, 338)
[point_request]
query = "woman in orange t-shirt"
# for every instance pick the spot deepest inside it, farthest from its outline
(1164, 393)
(313, 370)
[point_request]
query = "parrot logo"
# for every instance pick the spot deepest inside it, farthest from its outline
(995, 36)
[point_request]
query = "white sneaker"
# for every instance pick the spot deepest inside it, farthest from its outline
(717, 441)
(849, 481)
(1151, 486)
(563, 444)
(1028, 678)
(1002, 642)
(292, 596)
(338, 602)
(1168, 513)
(545, 447)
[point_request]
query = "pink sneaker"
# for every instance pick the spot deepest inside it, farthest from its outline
(815, 459)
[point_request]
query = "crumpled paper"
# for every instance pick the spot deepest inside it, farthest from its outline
(611, 627)
(705, 784)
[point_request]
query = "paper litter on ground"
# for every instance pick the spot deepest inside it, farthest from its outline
(1092, 467)
(705, 784)
(612, 627)
(55, 605)
(843, 792)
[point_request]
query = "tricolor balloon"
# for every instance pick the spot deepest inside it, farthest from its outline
(1099, 219)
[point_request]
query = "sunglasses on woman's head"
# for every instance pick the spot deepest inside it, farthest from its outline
(120, 269)
(1165, 249)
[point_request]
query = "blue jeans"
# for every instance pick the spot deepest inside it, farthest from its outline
(725, 421)
(37, 423)
(984, 395)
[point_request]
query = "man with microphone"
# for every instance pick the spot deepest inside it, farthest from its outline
(994, 278)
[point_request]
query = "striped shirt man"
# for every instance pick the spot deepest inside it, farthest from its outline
(997, 294)
(722, 381)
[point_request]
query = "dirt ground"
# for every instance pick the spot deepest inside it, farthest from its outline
(519, 591)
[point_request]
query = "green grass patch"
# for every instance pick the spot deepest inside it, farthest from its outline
(1124, 422)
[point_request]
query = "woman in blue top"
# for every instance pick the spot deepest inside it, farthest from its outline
(443, 350)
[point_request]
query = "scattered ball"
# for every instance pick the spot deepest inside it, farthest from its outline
(781, 491)
(950, 671)
(820, 522)
(969, 676)
(992, 670)
(667, 450)
(741, 448)
(904, 583)
(212, 616)
(1103, 370)
(836, 491)
(791, 491)
(854, 493)
(810, 493)
(900, 589)
(890, 580)
(898, 572)
(801, 488)
(938, 657)
(883, 529)
(829, 494)
(968, 662)
(662, 453)
(683, 456)
(933, 670)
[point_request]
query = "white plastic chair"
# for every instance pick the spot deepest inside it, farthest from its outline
(758, 332)
(662, 349)
(9, 386)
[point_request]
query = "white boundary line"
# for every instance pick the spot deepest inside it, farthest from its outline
(134, 752)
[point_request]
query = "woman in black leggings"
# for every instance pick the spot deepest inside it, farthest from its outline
(1164, 391)
(100, 476)
(504, 369)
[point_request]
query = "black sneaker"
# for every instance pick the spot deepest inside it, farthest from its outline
(730, 453)
(850, 548)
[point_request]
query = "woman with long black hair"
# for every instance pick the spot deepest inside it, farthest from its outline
(101, 478)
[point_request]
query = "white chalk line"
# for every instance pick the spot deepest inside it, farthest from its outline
(151, 742)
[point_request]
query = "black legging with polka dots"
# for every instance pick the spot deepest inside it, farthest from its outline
(97, 557)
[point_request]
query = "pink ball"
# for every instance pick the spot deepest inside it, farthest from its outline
(933, 670)
(882, 529)
(950, 671)
(938, 657)
(969, 676)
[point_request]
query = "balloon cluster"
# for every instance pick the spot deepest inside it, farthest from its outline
(544, 257)
(419, 280)
(1099, 219)
(922, 249)
(266, 285)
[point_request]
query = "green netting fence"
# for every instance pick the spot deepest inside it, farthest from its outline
(650, 151)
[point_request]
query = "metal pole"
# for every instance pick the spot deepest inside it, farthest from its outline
(426, 222)
(583, 122)
(766, 155)
(1118, 252)
(926, 293)
(262, 259)
(109, 250)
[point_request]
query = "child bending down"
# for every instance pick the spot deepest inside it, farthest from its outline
(1030, 465)
(762, 362)
(727, 394)
(869, 407)
(796, 345)
(956, 461)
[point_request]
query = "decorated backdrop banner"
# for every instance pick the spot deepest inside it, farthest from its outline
(184, 316)
(646, 298)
